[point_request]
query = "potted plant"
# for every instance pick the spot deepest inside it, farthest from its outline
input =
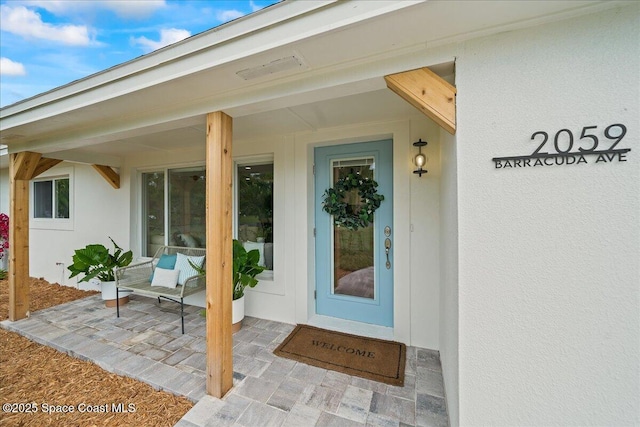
(245, 270)
(95, 262)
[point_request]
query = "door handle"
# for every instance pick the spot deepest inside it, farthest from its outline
(387, 247)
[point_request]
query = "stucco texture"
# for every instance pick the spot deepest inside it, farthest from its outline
(549, 331)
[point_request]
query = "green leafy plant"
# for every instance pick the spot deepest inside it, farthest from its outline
(245, 268)
(3, 274)
(95, 261)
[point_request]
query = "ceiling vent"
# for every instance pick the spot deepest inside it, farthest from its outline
(273, 67)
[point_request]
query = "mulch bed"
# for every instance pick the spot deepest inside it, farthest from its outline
(36, 378)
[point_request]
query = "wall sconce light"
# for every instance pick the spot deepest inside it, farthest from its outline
(420, 158)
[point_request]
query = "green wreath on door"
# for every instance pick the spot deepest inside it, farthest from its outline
(348, 216)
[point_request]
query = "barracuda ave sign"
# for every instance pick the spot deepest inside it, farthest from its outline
(566, 150)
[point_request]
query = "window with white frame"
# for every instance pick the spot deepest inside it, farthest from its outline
(173, 208)
(254, 210)
(52, 198)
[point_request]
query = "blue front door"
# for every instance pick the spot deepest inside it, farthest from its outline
(354, 269)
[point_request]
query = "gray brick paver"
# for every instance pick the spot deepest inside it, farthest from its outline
(268, 390)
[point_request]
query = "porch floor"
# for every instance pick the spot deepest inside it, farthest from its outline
(146, 344)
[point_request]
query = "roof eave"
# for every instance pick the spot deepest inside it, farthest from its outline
(254, 22)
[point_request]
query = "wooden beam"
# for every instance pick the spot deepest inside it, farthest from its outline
(44, 165)
(109, 175)
(219, 261)
(21, 167)
(25, 164)
(429, 93)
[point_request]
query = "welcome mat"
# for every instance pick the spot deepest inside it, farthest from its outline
(370, 358)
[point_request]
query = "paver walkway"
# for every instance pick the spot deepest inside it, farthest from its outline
(146, 343)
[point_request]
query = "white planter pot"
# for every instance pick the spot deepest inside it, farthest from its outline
(108, 290)
(237, 312)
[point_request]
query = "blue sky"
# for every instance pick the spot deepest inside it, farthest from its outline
(48, 43)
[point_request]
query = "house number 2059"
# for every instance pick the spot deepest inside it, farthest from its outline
(588, 141)
(565, 149)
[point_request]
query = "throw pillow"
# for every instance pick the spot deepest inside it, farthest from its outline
(186, 270)
(165, 278)
(168, 262)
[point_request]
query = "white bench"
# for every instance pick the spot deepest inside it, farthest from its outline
(137, 279)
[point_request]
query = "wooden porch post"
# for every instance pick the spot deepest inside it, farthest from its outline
(219, 261)
(22, 167)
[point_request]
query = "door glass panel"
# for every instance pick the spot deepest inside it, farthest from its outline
(353, 272)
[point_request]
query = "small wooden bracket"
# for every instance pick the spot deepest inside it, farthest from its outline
(44, 165)
(429, 93)
(25, 165)
(109, 175)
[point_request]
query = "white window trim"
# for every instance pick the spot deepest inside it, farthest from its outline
(53, 223)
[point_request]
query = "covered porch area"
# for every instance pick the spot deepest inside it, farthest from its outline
(145, 343)
(211, 117)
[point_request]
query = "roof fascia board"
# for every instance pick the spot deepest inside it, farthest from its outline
(192, 56)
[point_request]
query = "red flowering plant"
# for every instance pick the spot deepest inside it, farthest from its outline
(4, 234)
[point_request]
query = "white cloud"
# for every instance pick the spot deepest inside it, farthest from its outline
(228, 15)
(28, 24)
(11, 68)
(167, 37)
(135, 9)
(56, 7)
(254, 7)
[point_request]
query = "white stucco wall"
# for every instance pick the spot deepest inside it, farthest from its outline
(97, 214)
(425, 238)
(448, 335)
(549, 277)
